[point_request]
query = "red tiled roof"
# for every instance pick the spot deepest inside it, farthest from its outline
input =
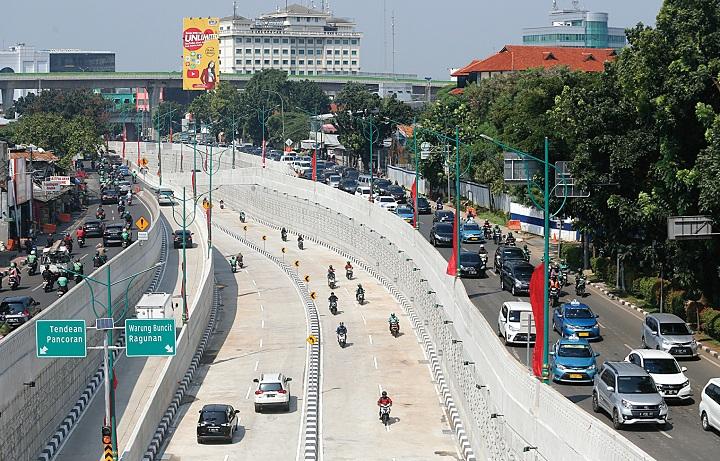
(37, 156)
(519, 57)
(463, 70)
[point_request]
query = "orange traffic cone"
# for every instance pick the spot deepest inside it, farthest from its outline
(554, 239)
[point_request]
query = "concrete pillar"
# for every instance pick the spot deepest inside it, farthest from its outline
(153, 103)
(7, 92)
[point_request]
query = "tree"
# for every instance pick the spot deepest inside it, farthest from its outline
(68, 104)
(168, 114)
(297, 127)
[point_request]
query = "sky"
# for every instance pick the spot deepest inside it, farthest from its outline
(430, 36)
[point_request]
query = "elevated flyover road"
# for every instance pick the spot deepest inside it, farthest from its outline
(136, 376)
(352, 377)
(261, 328)
(620, 327)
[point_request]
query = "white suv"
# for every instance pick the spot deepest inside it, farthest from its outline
(273, 391)
(387, 202)
(363, 191)
(512, 323)
(710, 405)
(668, 376)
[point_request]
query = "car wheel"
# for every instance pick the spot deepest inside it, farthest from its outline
(616, 420)
(512, 290)
(704, 421)
(595, 404)
(258, 408)
(499, 332)
(287, 407)
(643, 343)
(505, 340)
(199, 440)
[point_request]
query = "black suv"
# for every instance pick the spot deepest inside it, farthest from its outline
(94, 228)
(471, 265)
(507, 253)
(441, 234)
(109, 196)
(348, 185)
(217, 421)
(516, 275)
(380, 186)
(113, 234)
(16, 310)
(178, 239)
(423, 206)
(444, 216)
(398, 193)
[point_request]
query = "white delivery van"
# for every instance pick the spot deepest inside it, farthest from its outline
(513, 322)
(154, 306)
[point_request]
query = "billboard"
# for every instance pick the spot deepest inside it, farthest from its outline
(201, 53)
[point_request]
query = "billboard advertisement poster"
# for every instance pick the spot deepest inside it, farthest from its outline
(21, 182)
(201, 53)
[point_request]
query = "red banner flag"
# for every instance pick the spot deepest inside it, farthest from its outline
(263, 153)
(413, 196)
(537, 300)
(314, 166)
(452, 263)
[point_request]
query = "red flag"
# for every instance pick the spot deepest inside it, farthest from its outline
(413, 196)
(263, 153)
(537, 299)
(124, 139)
(314, 166)
(452, 263)
(115, 381)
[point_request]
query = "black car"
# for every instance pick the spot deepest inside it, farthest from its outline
(351, 174)
(444, 216)
(515, 276)
(109, 196)
(217, 421)
(471, 265)
(113, 234)
(441, 234)
(398, 193)
(94, 228)
(348, 185)
(380, 186)
(507, 253)
(423, 206)
(16, 310)
(178, 238)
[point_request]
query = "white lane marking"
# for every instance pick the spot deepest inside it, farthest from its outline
(247, 395)
(601, 325)
(346, 291)
(260, 343)
(375, 362)
(666, 434)
(363, 317)
(627, 346)
(516, 354)
(380, 387)
(262, 324)
(709, 360)
(262, 309)
(253, 281)
(257, 363)
(82, 257)
(258, 293)
(37, 287)
(370, 337)
(519, 299)
(387, 428)
(227, 457)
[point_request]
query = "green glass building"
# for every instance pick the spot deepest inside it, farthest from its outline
(576, 28)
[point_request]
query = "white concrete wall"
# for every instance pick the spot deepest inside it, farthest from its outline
(35, 413)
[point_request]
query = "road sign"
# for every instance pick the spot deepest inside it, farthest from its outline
(307, 278)
(264, 237)
(150, 337)
(51, 186)
(283, 249)
(690, 228)
(313, 295)
(60, 338)
(143, 161)
(245, 228)
(288, 142)
(105, 323)
(312, 339)
(63, 180)
(297, 263)
(142, 223)
(142, 235)
(518, 170)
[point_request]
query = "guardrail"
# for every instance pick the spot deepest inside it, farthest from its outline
(178, 371)
(36, 412)
(483, 377)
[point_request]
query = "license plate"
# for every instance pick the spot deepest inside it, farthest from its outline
(575, 376)
(270, 395)
(473, 238)
(682, 350)
(213, 429)
(646, 414)
(583, 333)
(671, 392)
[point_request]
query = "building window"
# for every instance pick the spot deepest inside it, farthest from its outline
(292, 51)
(238, 51)
(238, 40)
(354, 52)
(317, 19)
(276, 40)
(301, 51)
(238, 61)
(337, 42)
(319, 41)
(248, 40)
(329, 63)
(285, 40)
(267, 40)
(257, 61)
(285, 51)
(302, 62)
(292, 40)
(276, 62)
(266, 61)
(337, 51)
(297, 19)
(345, 42)
(276, 51)
(285, 61)
(345, 63)
(292, 62)
(353, 42)
(310, 62)
(310, 41)
(257, 50)
(354, 63)
(249, 61)
(345, 52)
(337, 63)
(311, 51)
(248, 50)
(310, 72)
(302, 72)
(329, 51)
(301, 40)
(257, 40)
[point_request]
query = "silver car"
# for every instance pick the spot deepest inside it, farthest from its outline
(669, 333)
(628, 394)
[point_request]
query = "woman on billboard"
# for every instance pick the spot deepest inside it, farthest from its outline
(209, 77)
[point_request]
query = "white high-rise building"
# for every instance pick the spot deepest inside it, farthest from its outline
(296, 39)
(24, 59)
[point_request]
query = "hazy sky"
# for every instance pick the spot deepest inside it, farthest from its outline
(430, 36)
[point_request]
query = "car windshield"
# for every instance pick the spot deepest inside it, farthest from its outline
(675, 328)
(422, 202)
(270, 387)
(444, 228)
(386, 199)
(181, 232)
(574, 350)
(11, 308)
(214, 416)
(404, 210)
(662, 366)
(513, 253)
(396, 190)
(575, 313)
(636, 385)
(514, 316)
(523, 272)
(471, 258)
(445, 214)
(471, 227)
(334, 178)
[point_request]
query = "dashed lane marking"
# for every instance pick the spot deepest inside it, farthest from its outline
(257, 364)
(375, 362)
(247, 395)
(666, 434)
(370, 337)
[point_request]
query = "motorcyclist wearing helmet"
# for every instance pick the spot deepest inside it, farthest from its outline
(341, 329)
(331, 273)
(348, 266)
(393, 320)
(332, 298)
(510, 239)
(482, 250)
(383, 401)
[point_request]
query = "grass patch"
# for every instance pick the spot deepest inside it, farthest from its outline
(5, 329)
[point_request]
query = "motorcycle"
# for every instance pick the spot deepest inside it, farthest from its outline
(300, 244)
(395, 329)
(242, 217)
(99, 260)
(496, 237)
(333, 307)
(385, 414)
(48, 285)
(483, 265)
(78, 278)
(563, 278)
(554, 295)
(125, 243)
(81, 242)
(342, 339)
(61, 291)
(32, 270)
(510, 241)
(233, 267)
(331, 280)
(100, 216)
(14, 282)
(349, 274)
(360, 297)
(283, 235)
(439, 206)
(487, 233)
(580, 287)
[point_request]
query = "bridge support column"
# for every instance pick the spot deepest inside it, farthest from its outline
(154, 92)
(7, 92)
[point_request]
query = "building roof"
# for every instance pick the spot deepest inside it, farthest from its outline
(296, 9)
(464, 70)
(234, 18)
(519, 57)
(36, 156)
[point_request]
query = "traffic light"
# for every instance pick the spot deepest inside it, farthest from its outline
(307, 278)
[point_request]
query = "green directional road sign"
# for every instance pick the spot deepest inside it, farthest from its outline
(60, 338)
(150, 337)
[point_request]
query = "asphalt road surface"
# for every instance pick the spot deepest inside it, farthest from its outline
(683, 438)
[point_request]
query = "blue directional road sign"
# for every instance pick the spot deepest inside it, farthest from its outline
(150, 337)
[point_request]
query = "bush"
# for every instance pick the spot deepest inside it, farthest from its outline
(644, 287)
(675, 303)
(600, 267)
(573, 254)
(710, 319)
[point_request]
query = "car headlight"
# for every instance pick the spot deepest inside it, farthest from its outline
(570, 326)
(463, 268)
(663, 406)
(626, 404)
(686, 383)
(513, 328)
(666, 343)
(591, 367)
(560, 367)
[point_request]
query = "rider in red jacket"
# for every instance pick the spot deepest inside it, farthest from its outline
(384, 400)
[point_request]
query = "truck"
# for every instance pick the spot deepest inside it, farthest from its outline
(154, 306)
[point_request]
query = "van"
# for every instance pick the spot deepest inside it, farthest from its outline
(287, 159)
(165, 196)
(512, 323)
(364, 179)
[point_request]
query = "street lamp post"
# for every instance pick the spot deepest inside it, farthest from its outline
(282, 111)
(159, 139)
(108, 341)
